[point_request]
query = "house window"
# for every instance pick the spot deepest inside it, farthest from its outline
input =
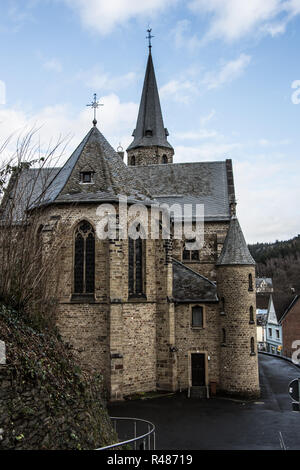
(250, 280)
(133, 160)
(136, 267)
(251, 315)
(190, 255)
(277, 334)
(164, 159)
(270, 332)
(84, 259)
(197, 316)
(87, 177)
(252, 346)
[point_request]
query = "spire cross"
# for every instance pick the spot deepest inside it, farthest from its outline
(95, 105)
(149, 37)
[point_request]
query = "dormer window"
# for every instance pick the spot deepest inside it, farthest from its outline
(86, 177)
(148, 133)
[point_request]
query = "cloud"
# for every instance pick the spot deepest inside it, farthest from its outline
(104, 16)
(116, 121)
(266, 209)
(54, 65)
(97, 79)
(179, 90)
(197, 135)
(181, 34)
(233, 19)
(205, 152)
(228, 72)
(184, 89)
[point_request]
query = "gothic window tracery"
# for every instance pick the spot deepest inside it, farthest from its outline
(84, 260)
(136, 264)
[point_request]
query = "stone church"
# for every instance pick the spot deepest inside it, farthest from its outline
(151, 314)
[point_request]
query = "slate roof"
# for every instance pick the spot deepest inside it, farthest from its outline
(282, 302)
(26, 189)
(189, 183)
(189, 286)
(262, 301)
(235, 249)
(111, 180)
(290, 306)
(150, 115)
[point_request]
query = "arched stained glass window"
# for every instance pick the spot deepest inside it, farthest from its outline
(136, 267)
(84, 262)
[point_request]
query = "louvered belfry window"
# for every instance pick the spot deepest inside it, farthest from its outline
(136, 267)
(84, 263)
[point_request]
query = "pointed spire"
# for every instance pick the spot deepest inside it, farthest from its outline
(235, 249)
(150, 130)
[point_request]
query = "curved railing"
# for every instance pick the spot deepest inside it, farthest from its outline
(143, 441)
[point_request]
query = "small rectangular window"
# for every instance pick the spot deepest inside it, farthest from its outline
(270, 332)
(197, 317)
(86, 177)
(277, 334)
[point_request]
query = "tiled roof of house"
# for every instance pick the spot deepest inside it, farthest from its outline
(190, 183)
(111, 177)
(190, 286)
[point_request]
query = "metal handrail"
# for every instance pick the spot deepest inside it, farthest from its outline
(151, 431)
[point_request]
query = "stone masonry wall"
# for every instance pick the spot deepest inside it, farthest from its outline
(192, 340)
(102, 332)
(214, 237)
(150, 155)
(238, 366)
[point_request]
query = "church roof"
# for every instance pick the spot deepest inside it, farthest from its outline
(111, 177)
(206, 183)
(150, 128)
(190, 286)
(235, 249)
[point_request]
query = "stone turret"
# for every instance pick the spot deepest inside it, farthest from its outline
(150, 144)
(237, 327)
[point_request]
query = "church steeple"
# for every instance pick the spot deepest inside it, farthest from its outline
(150, 144)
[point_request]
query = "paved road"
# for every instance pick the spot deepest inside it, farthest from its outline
(222, 423)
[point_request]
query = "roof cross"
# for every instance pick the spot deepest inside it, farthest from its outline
(149, 37)
(95, 105)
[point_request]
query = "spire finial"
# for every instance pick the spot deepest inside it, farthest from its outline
(95, 105)
(149, 37)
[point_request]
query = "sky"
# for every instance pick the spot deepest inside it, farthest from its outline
(228, 74)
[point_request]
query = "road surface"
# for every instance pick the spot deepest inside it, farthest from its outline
(266, 424)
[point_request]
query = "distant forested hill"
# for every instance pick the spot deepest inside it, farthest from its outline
(281, 261)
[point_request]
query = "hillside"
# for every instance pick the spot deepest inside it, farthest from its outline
(281, 261)
(46, 401)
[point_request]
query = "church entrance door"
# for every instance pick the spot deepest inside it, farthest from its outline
(198, 370)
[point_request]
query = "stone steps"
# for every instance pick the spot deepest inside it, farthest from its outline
(198, 392)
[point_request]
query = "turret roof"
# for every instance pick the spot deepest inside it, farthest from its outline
(235, 249)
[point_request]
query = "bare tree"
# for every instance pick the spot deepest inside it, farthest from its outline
(25, 258)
